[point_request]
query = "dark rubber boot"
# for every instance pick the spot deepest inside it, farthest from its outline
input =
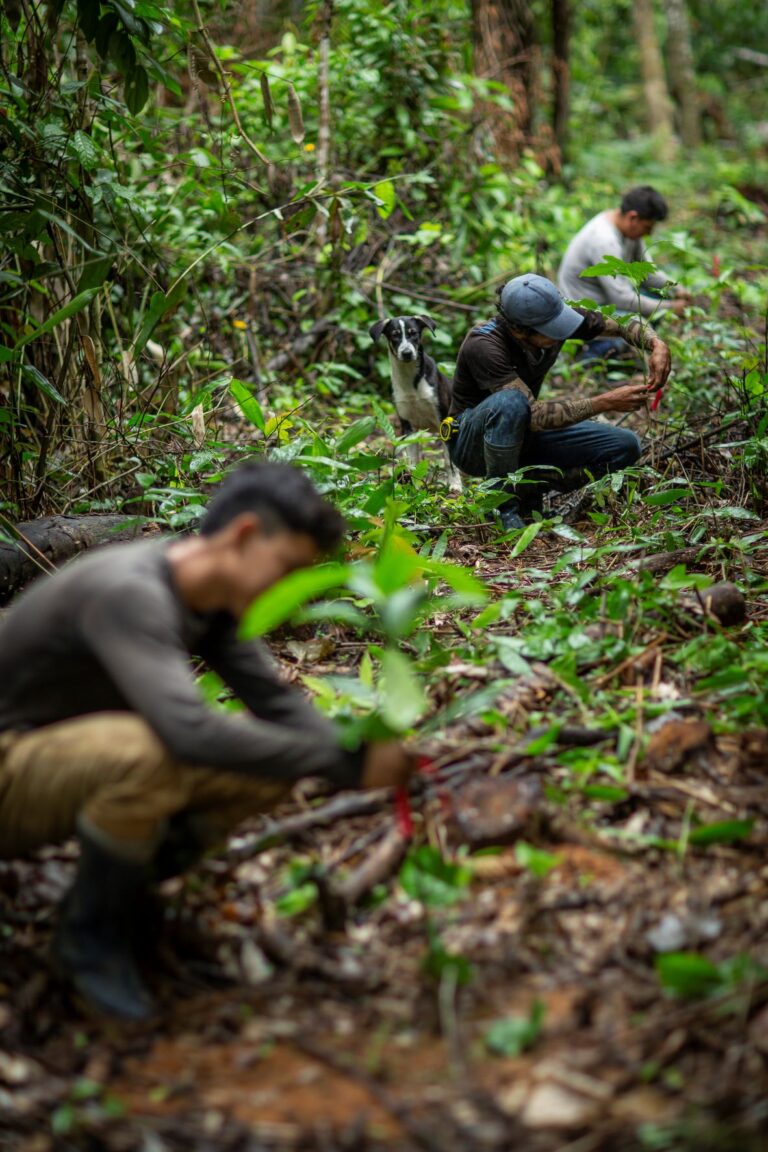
(181, 848)
(93, 941)
(501, 461)
(510, 518)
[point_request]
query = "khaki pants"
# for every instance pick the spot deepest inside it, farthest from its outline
(109, 772)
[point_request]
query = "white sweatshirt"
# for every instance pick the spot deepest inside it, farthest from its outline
(597, 239)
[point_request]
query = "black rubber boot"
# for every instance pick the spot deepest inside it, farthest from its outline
(510, 517)
(93, 941)
(181, 848)
(502, 461)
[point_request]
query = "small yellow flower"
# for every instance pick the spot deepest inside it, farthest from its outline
(309, 147)
(240, 324)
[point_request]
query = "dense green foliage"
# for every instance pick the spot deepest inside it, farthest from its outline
(159, 257)
(150, 255)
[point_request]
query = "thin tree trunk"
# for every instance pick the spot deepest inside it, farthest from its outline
(503, 36)
(323, 81)
(561, 34)
(681, 71)
(656, 94)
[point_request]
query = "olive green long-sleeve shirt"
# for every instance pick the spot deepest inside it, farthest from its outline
(110, 632)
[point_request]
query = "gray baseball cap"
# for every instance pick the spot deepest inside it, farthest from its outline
(534, 302)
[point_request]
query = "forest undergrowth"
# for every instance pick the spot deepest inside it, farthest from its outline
(568, 949)
(563, 946)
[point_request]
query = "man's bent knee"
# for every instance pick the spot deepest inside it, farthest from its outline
(508, 416)
(109, 768)
(628, 448)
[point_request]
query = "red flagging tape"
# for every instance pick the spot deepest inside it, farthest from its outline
(403, 813)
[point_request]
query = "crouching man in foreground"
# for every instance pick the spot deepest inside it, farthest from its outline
(104, 733)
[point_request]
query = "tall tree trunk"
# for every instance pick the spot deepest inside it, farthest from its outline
(657, 99)
(561, 105)
(502, 39)
(681, 71)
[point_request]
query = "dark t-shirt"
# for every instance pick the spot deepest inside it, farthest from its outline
(110, 632)
(490, 358)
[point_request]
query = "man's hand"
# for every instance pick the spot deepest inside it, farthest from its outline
(628, 398)
(678, 305)
(659, 365)
(387, 765)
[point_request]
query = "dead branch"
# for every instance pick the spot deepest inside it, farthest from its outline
(41, 545)
(375, 869)
(340, 808)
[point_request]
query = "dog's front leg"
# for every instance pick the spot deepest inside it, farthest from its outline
(455, 483)
(412, 451)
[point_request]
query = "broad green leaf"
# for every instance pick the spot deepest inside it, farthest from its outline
(88, 17)
(339, 611)
(396, 565)
(514, 1034)
(720, 832)
(82, 300)
(85, 150)
(734, 512)
(537, 861)
(107, 25)
(402, 696)
(460, 579)
(65, 226)
(122, 51)
(95, 271)
(635, 270)
(136, 89)
(688, 974)
(43, 383)
(384, 191)
(425, 876)
(401, 609)
(508, 652)
(248, 404)
(279, 602)
(669, 496)
(526, 537)
(355, 433)
(296, 901)
(607, 792)
(679, 577)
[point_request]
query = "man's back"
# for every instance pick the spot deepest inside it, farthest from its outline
(598, 238)
(50, 668)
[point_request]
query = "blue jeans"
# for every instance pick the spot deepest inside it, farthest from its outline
(494, 439)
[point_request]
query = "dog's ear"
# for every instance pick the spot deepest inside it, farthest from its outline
(426, 322)
(376, 329)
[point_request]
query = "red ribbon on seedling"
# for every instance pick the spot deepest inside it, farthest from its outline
(403, 813)
(656, 400)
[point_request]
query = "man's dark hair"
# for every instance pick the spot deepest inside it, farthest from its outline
(282, 495)
(646, 201)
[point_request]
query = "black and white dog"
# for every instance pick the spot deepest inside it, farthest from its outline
(421, 392)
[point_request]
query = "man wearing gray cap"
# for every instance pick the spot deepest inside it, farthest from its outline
(499, 424)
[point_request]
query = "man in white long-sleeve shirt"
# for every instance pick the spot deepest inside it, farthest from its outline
(619, 232)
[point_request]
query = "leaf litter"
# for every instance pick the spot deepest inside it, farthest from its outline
(585, 887)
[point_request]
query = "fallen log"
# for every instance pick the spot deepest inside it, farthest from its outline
(40, 546)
